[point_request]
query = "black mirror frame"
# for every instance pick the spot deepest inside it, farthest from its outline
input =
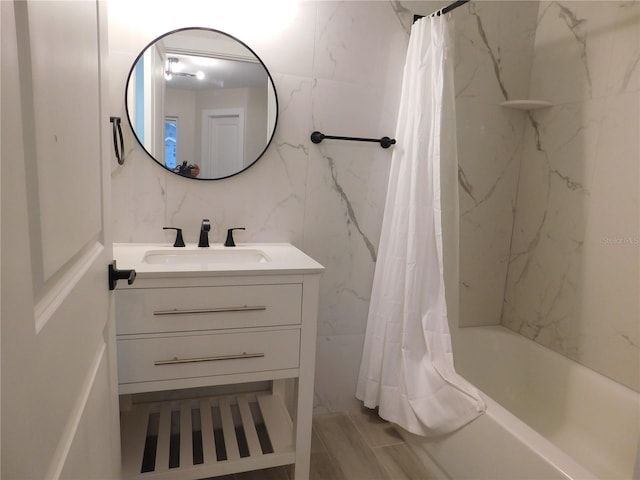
(275, 94)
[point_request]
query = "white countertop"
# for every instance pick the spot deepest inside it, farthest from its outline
(282, 259)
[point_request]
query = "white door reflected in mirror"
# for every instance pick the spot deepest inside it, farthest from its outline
(222, 142)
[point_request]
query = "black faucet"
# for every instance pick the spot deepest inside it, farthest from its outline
(204, 233)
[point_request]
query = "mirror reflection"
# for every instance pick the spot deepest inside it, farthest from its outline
(201, 103)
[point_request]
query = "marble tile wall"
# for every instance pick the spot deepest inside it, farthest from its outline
(494, 48)
(573, 277)
(337, 68)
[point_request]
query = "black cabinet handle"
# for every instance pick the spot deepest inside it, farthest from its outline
(115, 275)
(117, 133)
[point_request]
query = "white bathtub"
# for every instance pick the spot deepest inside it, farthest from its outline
(547, 416)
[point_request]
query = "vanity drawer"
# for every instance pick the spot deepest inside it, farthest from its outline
(161, 310)
(190, 356)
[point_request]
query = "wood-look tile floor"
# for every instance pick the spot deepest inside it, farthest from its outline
(353, 445)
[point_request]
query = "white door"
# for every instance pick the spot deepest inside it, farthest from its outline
(59, 395)
(222, 142)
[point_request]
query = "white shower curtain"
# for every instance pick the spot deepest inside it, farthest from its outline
(407, 365)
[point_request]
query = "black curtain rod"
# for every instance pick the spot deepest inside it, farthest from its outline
(444, 10)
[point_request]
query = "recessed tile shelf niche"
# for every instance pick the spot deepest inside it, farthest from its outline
(526, 104)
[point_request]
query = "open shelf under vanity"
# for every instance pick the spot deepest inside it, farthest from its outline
(203, 437)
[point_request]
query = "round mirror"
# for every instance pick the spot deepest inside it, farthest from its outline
(201, 103)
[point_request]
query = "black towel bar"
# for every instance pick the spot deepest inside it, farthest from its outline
(385, 142)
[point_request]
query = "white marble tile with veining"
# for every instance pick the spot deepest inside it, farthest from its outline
(493, 50)
(553, 198)
(573, 50)
(345, 201)
(338, 364)
(353, 110)
(359, 42)
(489, 140)
(138, 195)
(557, 163)
(560, 276)
(624, 69)
(611, 280)
(342, 232)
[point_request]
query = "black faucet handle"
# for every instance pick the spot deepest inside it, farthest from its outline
(206, 225)
(179, 240)
(229, 241)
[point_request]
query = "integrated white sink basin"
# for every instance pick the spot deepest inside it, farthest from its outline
(157, 260)
(205, 256)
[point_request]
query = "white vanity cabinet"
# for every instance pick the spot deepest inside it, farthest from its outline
(185, 326)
